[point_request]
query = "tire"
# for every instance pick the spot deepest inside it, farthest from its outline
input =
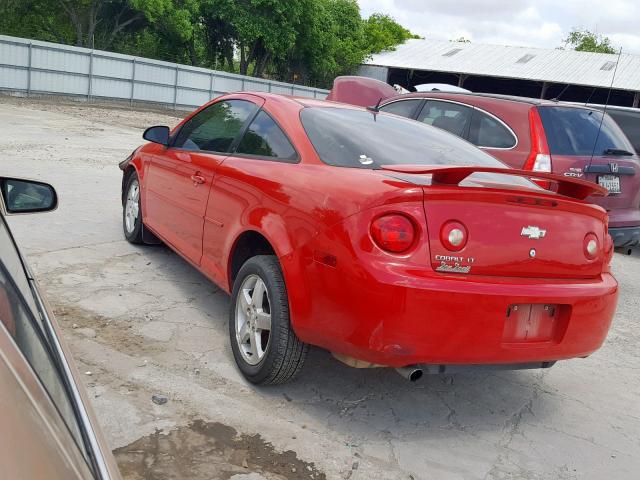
(131, 211)
(276, 354)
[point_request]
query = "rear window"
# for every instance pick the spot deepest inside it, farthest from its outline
(574, 131)
(363, 139)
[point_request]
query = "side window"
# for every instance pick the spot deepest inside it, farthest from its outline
(451, 117)
(629, 122)
(19, 319)
(488, 132)
(265, 139)
(215, 128)
(404, 108)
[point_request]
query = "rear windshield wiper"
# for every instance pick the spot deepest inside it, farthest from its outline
(617, 151)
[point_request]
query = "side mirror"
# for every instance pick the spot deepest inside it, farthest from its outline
(27, 196)
(157, 134)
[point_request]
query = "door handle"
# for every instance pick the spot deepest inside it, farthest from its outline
(198, 179)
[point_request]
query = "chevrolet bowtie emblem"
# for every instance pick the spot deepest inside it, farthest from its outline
(532, 232)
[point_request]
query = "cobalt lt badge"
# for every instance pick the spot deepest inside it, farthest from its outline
(533, 232)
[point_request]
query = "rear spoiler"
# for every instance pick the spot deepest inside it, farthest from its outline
(570, 187)
(361, 91)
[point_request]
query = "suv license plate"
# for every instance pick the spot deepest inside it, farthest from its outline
(610, 182)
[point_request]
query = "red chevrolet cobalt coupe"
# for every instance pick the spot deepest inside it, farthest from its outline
(386, 241)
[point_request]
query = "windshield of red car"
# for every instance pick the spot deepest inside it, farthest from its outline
(347, 137)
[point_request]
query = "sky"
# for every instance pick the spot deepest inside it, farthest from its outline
(536, 23)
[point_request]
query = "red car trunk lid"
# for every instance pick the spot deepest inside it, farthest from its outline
(512, 234)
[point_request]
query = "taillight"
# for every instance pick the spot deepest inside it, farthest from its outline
(453, 236)
(542, 163)
(393, 233)
(591, 246)
(539, 159)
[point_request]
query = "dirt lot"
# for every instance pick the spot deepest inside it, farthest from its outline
(143, 322)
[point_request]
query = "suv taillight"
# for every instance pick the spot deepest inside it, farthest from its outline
(539, 159)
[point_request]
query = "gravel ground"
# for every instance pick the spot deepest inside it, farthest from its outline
(144, 322)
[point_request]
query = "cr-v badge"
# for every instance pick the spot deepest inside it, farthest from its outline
(533, 232)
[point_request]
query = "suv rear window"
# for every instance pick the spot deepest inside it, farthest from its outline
(347, 137)
(573, 131)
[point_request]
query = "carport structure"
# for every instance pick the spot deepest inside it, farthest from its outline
(524, 71)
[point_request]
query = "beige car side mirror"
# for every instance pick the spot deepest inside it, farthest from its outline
(26, 196)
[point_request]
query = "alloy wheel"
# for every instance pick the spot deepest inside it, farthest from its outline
(253, 319)
(132, 206)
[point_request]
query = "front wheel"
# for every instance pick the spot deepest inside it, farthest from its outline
(265, 347)
(131, 212)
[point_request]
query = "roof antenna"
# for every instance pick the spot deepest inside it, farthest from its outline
(375, 109)
(557, 97)
(590, 95)
(604, 110)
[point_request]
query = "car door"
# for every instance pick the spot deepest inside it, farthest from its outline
(43, 434)
(451, 116)
(247, 185)
(180, 176)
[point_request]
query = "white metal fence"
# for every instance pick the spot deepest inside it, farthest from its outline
(35, 67)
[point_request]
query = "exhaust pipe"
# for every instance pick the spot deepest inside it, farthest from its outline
(411, 373)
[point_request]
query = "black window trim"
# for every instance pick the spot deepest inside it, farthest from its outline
(236, 142)
(229, 150)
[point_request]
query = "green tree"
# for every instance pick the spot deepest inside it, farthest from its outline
(325, 44)
(304, 41)
(85, 23)
(172, 27)
(261, 30)
(381, 32)
(586, 41)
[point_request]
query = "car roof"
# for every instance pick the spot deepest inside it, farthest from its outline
(618, 108)
(304, 101)
(469, 96)
(461, 96)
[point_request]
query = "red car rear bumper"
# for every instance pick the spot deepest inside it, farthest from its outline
(397, 316)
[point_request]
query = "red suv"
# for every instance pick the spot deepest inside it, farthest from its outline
(527, 133)
(545, 136)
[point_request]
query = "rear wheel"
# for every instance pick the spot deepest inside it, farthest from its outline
(131, 211)
(265, 347)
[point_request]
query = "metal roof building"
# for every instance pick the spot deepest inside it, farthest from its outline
(527, 71)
